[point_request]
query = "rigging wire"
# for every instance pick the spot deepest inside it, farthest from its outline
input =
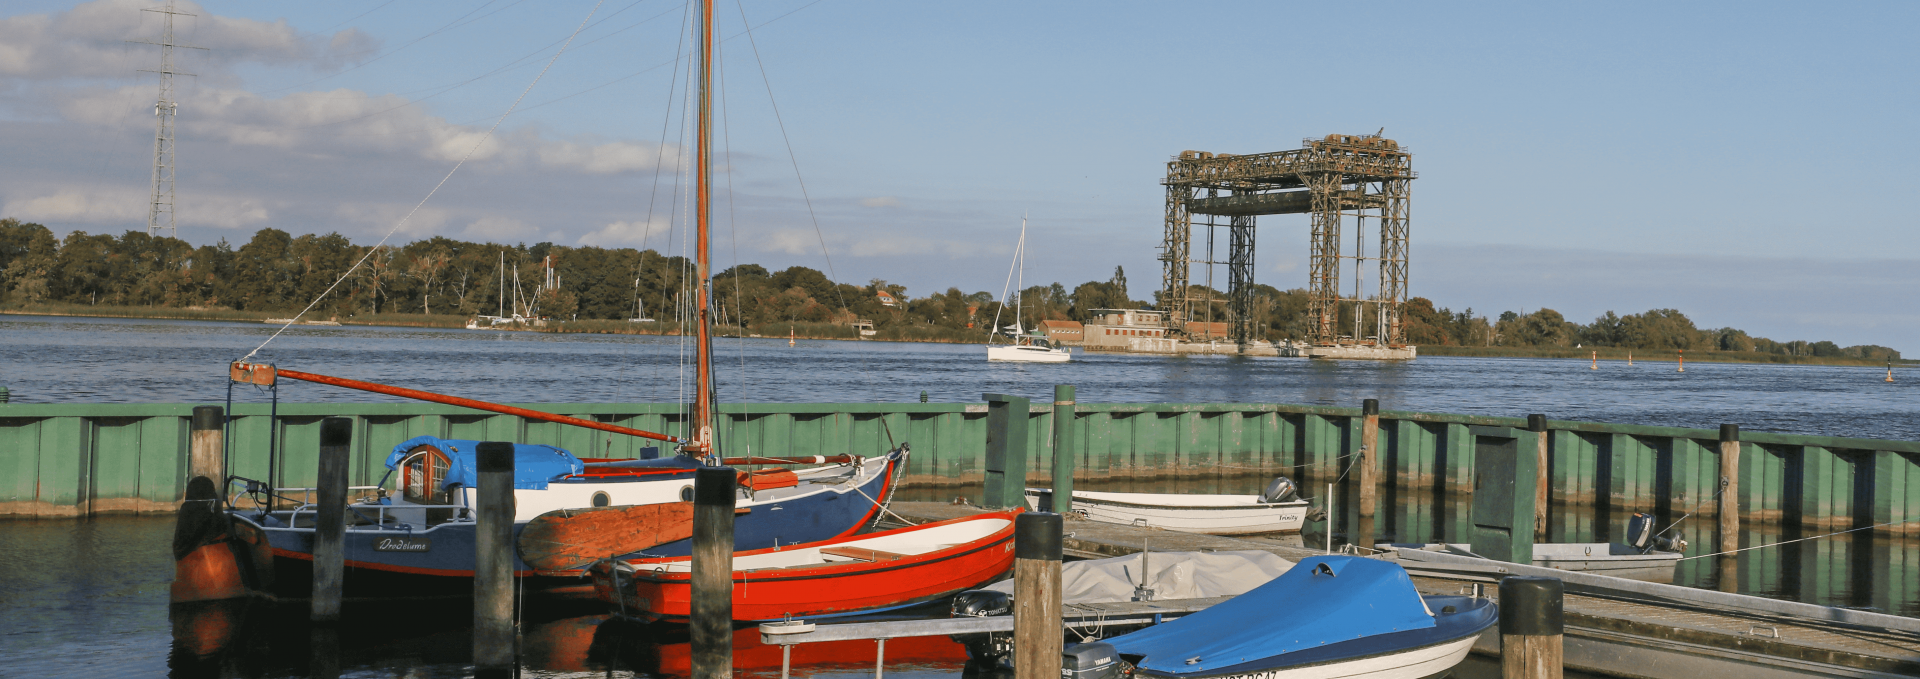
(436, 188)
(1018, 252)
(832, 276)
(1816, 537)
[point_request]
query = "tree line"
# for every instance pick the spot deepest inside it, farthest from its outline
(278, 272)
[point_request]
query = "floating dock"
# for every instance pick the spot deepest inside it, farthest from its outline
(1613, 627)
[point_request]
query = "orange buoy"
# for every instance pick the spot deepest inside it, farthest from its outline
(1596, 361)
(1683, 360)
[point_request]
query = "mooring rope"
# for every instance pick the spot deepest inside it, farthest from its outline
(1816, 537)
(436, 187)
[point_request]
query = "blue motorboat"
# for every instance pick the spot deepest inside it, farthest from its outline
(1328, 616)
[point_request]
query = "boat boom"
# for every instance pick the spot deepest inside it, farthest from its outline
(264, 375)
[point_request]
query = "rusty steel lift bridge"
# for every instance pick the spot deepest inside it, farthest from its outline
(1329, 178)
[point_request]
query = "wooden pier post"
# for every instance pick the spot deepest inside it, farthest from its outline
(1369, 471)
(1538, 423)
(1532, 620)
(206, 452)
(1037, 634)
(1006, 462)
(493, 640)
(710, 618)
(1063, 449)
(330, 517)
(1729, 487)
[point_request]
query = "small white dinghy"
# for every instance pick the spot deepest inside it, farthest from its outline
(1277, 510)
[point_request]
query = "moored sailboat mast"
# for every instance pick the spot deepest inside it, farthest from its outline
(701, 420)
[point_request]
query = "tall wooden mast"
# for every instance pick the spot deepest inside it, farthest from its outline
(702, 433)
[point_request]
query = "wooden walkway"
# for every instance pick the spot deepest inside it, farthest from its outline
(1605, 635)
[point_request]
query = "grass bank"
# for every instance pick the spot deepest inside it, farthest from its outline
(1648, 356)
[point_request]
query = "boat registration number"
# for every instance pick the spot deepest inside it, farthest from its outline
(402, 544)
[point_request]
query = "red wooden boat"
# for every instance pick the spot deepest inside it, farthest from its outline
(844, 576)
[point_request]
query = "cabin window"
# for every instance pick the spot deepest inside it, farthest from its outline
(425, 471)
(686, 493)
(600, 499)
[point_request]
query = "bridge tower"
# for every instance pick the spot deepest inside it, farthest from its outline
(1332, 179)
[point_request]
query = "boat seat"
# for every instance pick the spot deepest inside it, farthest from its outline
(862, 553)
(766, 479)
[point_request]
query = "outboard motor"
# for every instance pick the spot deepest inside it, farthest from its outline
(1281, 489)
(1090, 660)
(1640, 531)
(980, 603)
(1640, 536)
(986, 652)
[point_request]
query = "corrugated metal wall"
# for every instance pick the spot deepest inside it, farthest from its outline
(72, 460)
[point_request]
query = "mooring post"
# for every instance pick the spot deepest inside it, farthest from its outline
(1006, 463)
(710, 622)
(1369, 457)
(330, 516)
(1063, 449)
(205, 456)
(1538, 424)
(1532, 619)
(493, 563)
(1729, 491)
(1037, 634)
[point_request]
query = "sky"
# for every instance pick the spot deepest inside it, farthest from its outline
(1741, 162)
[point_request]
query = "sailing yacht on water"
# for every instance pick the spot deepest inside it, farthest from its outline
(1021, 347)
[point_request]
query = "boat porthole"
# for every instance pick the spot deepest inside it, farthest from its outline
(686, 493)
(600, 499)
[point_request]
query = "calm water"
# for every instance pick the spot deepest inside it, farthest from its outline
(64, 360)
(89, 598)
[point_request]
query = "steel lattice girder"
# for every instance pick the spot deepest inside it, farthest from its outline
(1270, 183)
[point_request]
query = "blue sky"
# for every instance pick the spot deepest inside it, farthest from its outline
(1744, 162)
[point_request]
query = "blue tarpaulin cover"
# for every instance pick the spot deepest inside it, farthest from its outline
(1321, 600)
(533, 466)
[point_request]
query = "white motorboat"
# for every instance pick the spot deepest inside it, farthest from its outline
(1277, 510)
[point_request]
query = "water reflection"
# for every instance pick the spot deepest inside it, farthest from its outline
(433, 637)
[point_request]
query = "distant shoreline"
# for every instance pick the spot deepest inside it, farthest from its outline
(813, 331)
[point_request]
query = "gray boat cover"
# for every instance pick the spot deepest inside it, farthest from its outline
(1171, 575)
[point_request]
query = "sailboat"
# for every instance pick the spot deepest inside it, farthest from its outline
(569, 511)
(1021, 347)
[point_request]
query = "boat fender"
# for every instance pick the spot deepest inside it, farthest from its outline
(1090, 660)
(1281, 489)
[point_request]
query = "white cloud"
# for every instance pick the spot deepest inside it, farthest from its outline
(496, 228)
(626, 234)
(126, 207)
(77, 206)
(607, 158)
(90, 41)
(883, 201)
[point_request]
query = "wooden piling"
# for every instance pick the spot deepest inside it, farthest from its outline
(493, 563)
(1037, 633)
(1369, 460)
(1532, 622)
(710, 619)
(1538, 423)
(1063, 448)
(1729, 487)
(206, 452)
(330, 517)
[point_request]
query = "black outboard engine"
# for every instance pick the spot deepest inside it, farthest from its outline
(1640, 536)
(986, 652)
(1090, 660)
(1281, 489)
(980, 603)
